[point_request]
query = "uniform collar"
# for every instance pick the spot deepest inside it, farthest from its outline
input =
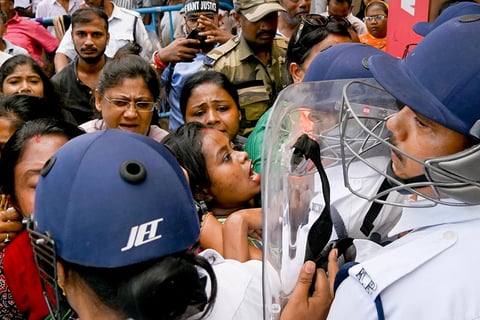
(415, 218)
(244, 50)
(117, 13)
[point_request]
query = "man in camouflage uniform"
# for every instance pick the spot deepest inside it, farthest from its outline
(254, 60)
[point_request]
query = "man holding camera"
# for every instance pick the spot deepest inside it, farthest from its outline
(184, 56)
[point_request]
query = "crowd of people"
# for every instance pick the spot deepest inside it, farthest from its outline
(303, 172)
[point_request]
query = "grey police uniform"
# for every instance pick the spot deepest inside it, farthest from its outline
(257, 84)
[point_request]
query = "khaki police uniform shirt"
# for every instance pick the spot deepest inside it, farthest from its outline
(257, 84)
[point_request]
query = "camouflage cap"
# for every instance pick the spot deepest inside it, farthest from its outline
(254, 10)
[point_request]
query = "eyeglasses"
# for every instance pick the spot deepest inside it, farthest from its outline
(378, 17)
(140, 106)
(317, 20)
(192, 20)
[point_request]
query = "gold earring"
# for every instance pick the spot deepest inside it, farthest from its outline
(61, 287)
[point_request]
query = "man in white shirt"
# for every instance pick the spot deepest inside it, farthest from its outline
(124, 26)
(54, 8)
(343, 8)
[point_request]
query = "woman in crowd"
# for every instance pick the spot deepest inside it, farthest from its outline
(223, 183)
(24, 155)
(16, 109)
(126, 97)
(142, 265)
(22, 75)
(313, 35)
(210, 98)
(376, 21)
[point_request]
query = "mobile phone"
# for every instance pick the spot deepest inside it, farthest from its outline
(194, 35)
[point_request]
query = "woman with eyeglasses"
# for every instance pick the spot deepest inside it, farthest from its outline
(126, 96)
(314, 34)
(376, 20)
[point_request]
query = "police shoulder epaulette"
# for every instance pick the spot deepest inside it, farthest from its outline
(220, 51)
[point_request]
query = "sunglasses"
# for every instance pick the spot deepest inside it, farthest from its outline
(317, 20)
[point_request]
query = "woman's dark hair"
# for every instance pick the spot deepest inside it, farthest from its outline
(202, 77)
(165, 288)
(128, 67)
(130, 48)
(361, 10)
(8, 67)
(50, 94)
(382, 5)
(298, 50)
(17, 142)
(185, 143)
(21, 108)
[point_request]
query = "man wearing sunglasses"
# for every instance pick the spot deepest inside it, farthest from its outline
(343, 8)
(254, 60)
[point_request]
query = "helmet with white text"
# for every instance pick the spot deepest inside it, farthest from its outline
(115, 204)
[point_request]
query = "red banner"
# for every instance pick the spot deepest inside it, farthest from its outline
(402, 15)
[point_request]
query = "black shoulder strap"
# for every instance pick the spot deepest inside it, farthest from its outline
(321, 230)
(135, 29)
(338, 223)
(372, 214)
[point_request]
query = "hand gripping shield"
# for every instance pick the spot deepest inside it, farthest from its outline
(298, 222)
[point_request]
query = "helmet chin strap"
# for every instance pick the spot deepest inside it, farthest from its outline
(416, 179)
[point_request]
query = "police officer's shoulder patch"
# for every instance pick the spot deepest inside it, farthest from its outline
(220, 51)
(209, 61)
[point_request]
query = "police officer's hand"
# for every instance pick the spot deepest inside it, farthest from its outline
(213, 32)
(301, 305)
(10, 226)
(180, 50)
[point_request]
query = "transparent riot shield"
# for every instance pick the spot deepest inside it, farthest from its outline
(292, 191)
